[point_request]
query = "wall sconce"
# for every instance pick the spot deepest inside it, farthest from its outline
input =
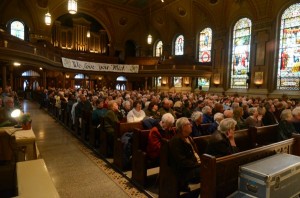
(164, 80)
(217, 79)
(100, 78)
(17, 64)
(259, 79)
(67, 76)
(186, 80)
(88, 34)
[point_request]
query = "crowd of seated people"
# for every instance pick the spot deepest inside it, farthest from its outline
(133, 106)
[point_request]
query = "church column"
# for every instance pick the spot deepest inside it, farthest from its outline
(11, 77)
(4, 76)
(64, 80)
(146, 83)
(44, 78)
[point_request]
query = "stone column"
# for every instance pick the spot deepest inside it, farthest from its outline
(146, 83)
(4, 76)
(44, 78)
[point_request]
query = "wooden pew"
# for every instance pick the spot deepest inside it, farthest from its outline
(33, 180)
(263, 135)
(168, 183)
(219, 176)
(121, 129)
(139, 156)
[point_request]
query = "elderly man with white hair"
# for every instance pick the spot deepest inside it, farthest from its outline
(197, 130)
(222, 140)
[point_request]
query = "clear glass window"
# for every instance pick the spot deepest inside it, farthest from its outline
(17, 29)
(159, 49)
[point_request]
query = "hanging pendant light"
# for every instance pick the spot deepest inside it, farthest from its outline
(48, 18)
(149, 39)
(72, 6)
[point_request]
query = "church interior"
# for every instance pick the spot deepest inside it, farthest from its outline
(220, 48)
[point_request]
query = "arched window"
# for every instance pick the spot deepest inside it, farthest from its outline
(289, 49)
(17, 29)
(179, 45)
(79, 76)
(205, 39)
(30, 73)
(159, 49)
(240, 57)
(159, 81)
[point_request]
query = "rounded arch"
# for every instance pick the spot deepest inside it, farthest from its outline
(178, 45)
(158, 48)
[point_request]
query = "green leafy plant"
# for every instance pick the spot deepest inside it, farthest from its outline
(25, 118)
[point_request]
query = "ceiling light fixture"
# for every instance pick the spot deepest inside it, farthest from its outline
(48, 18)
(17, 64)
(72, 6)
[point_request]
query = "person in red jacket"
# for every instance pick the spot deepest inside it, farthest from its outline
(162, 130)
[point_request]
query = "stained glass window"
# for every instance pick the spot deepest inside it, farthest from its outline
(79, 76)
(159, 81)
(17, 29)
(205, 39)
(204, 83)
(240, 57)
(179, 45)
(159, 49)
(177, 81)
(289, 49)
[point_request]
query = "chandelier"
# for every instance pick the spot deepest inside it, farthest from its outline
(72, 6)
(48, 18)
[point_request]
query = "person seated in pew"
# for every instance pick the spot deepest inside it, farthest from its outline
(286, 127)
(98, 113)
(5, 112)
(269, 118)
(296, 120)
(110, 123)
(222, 140)
(197, 130)
(162, 130)
(184, 158)
(152, 111)
(207, 115)
(218, 117)
(254, 120)
(238, 117)
(136, 114)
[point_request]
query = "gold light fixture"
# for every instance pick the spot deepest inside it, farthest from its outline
(258, 79)
(72, 6)
(48, 18)
(88, 34)
(149, 39)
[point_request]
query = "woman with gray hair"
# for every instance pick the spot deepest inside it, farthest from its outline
(222, 140)
(184, 154)
(254, 119)
(197, 130)
(286, 127)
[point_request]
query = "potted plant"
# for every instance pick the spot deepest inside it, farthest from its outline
(25, 119)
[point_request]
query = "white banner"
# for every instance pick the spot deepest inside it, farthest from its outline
(82, 65)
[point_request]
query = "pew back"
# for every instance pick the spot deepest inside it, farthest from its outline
(220, 175)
